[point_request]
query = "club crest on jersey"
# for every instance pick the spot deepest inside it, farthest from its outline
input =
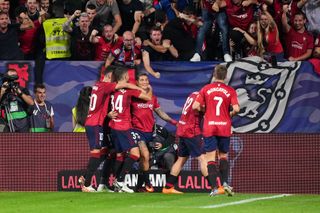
(117, 51)
(263, 92)
(122, 91)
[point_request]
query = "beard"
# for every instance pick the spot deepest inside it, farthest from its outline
(297, 27)
(3, 26)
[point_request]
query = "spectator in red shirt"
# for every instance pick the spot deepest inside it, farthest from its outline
(27, 37)
(105, 43)
(240, 14)
(276, 7)
(268, 36)
(299, 41)
(128, 53)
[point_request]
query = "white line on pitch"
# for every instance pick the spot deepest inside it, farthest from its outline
(243, 201)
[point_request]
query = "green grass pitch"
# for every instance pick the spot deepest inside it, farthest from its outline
(69, 202)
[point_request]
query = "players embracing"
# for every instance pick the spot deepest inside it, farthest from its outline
(98, 109)
(132, 128)
(124, 139)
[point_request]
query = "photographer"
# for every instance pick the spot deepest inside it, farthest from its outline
(162, 149)
(15, 101)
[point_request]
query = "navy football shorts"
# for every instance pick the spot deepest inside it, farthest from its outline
(217, 142)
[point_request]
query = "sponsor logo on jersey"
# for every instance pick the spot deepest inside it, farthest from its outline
(145, 106)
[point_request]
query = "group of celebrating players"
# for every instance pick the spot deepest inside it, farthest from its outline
(130, 123)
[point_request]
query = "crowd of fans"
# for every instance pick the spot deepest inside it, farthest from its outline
(158, 30)
(130, 32)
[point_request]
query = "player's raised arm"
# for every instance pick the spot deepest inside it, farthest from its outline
(109, 60)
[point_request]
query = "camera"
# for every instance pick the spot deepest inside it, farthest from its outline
(11, 82)
(152, 144)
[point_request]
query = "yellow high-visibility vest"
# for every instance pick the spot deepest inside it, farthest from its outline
(57, 41)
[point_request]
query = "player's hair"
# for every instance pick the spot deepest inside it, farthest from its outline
(155, 28)
(19, 10)
(40, 86)
(107, 25)
(300, 13)
(91, 7)
(110, 69)
(220, 72)
(82, 106)
(128, 33)
(140, 74)
(119, 73)
(3, 13)
(105, 71)
(84, 14)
